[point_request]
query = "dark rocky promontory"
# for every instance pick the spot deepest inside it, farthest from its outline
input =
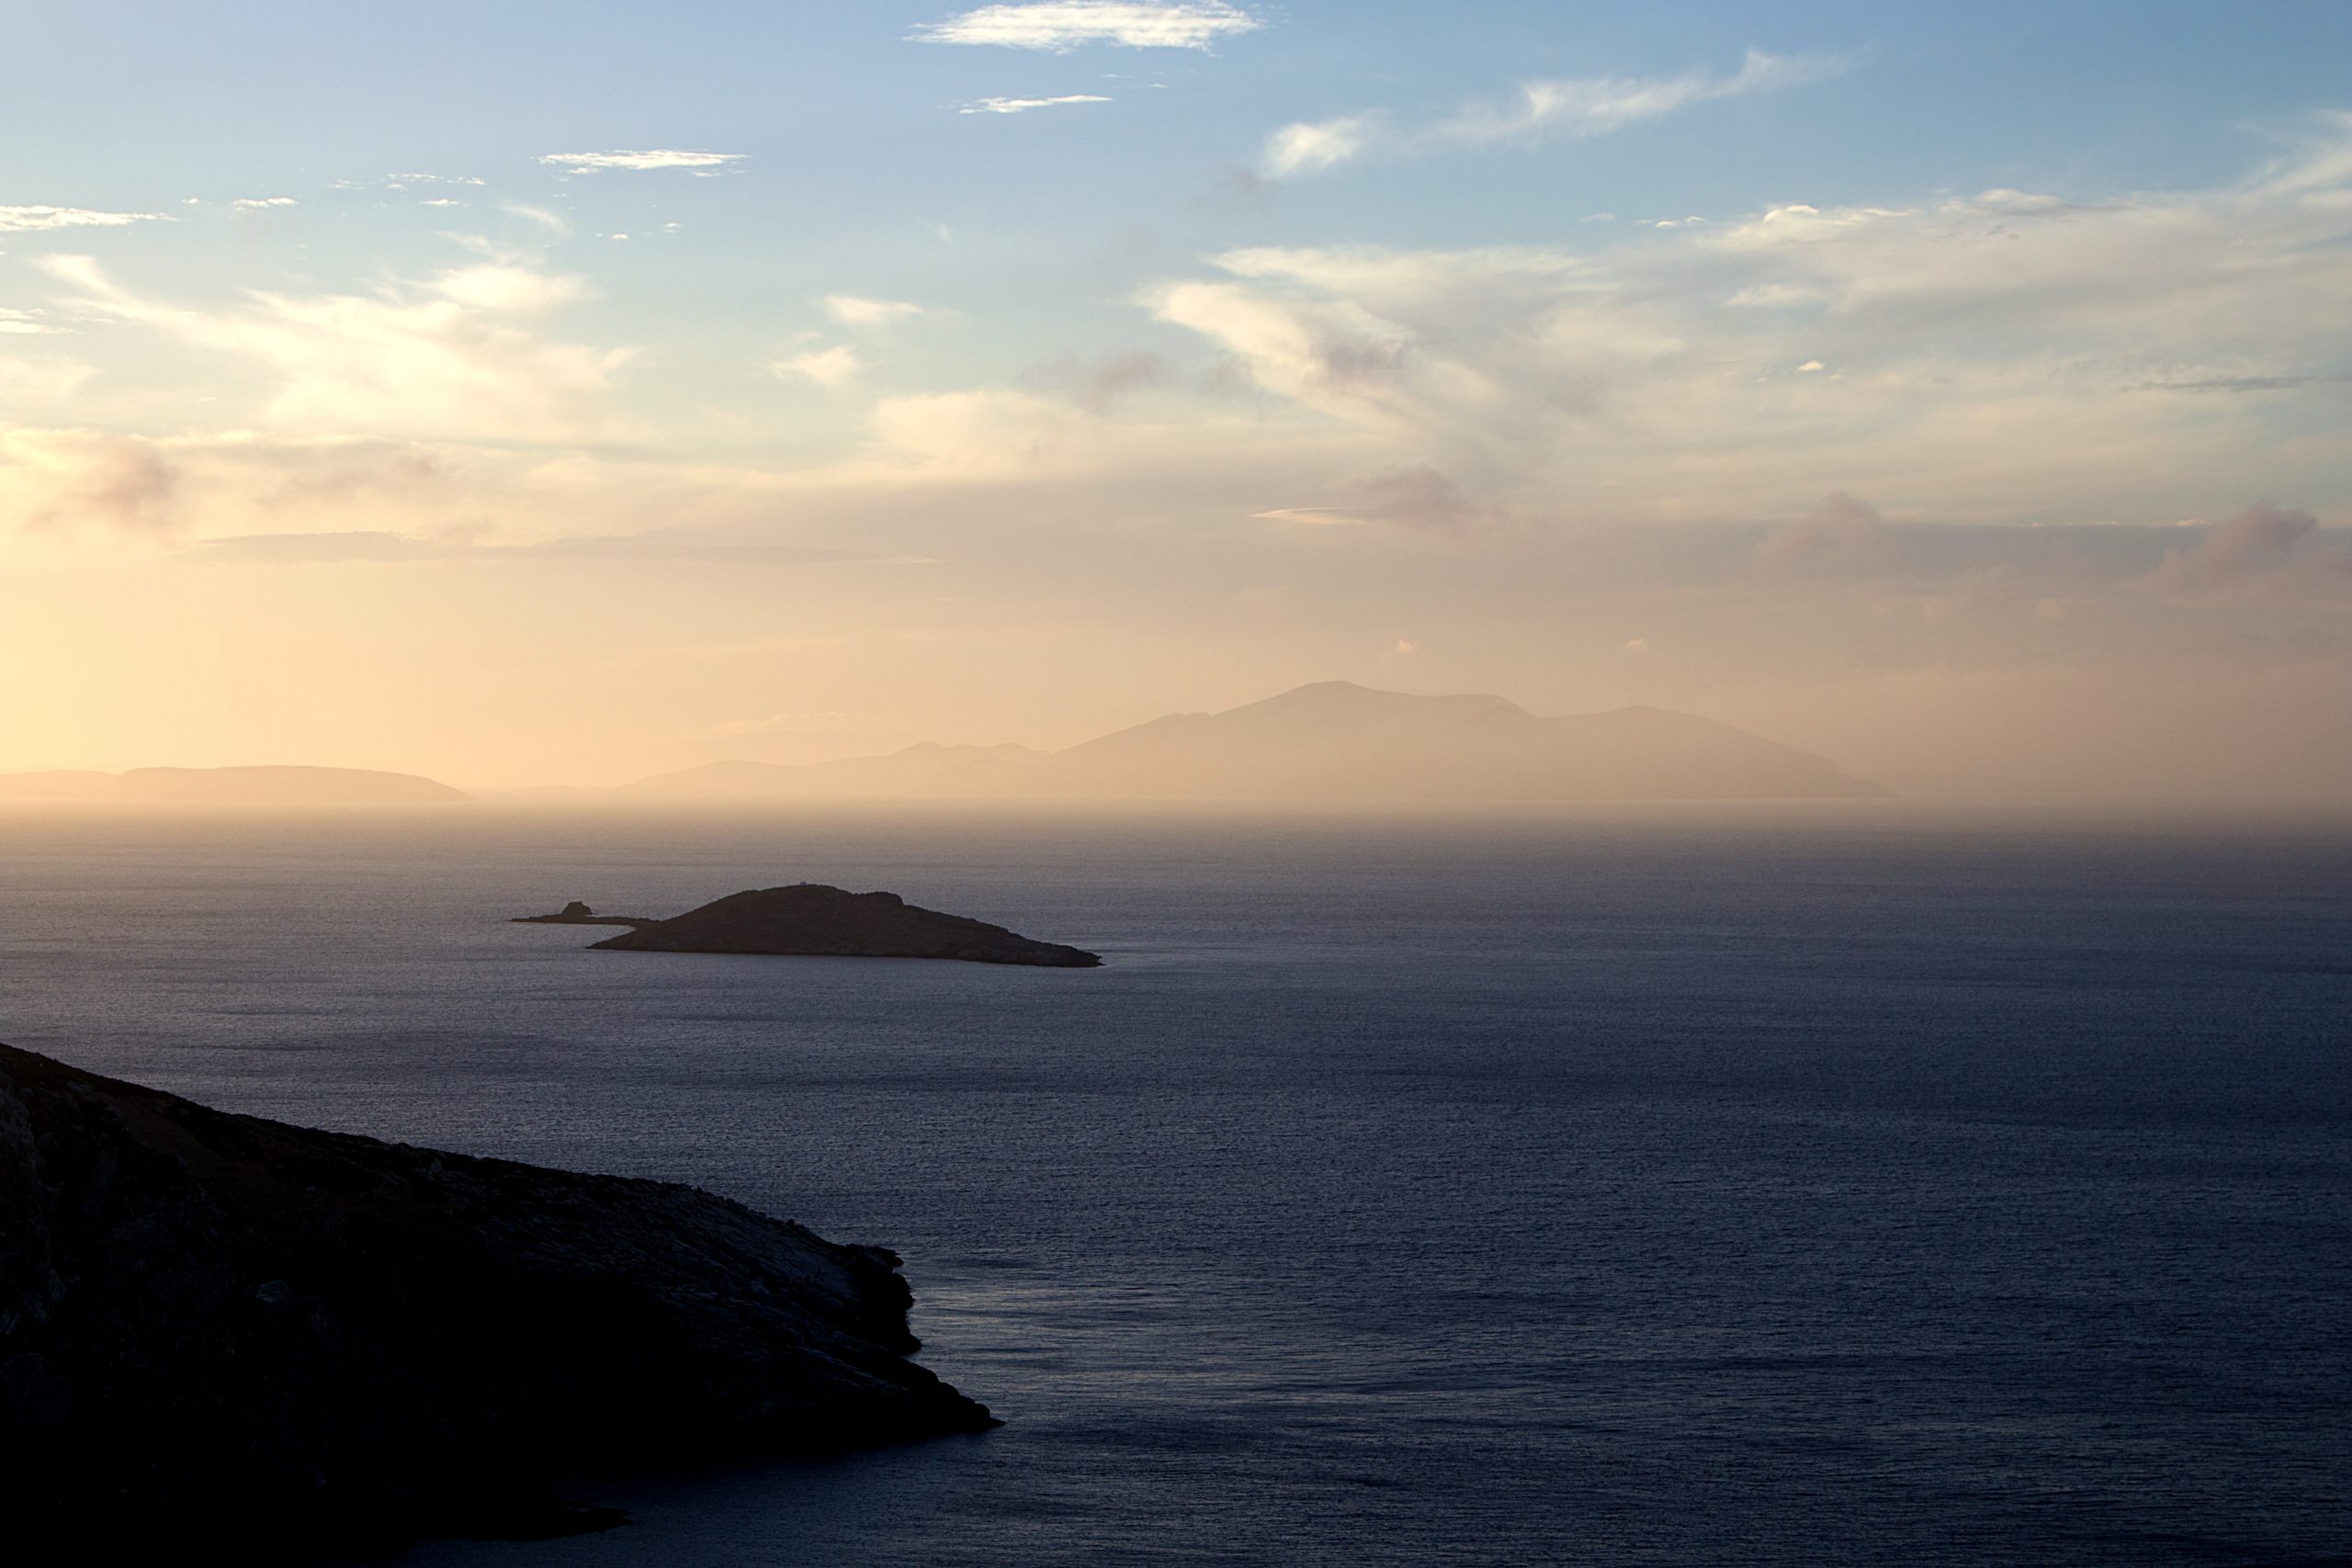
(234, 1329)
(809, 919)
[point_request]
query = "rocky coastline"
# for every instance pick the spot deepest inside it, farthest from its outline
(219, 1328)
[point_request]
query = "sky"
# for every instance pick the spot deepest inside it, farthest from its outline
(524, 394)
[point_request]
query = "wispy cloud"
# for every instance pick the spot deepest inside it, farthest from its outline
(1575, 107)
(660, 158)
(1022, 106)
(1965, 353)
(857, 310)
(1306, 147)
(1589, 106)
(262, 203)
(1060, 26)
(23, 323)
(40, 220)
(828, 367)
(449, 359)
(554, 222)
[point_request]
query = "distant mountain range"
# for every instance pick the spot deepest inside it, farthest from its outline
(230, 786)
(1333, 739)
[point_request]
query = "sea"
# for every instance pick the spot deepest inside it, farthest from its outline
(1868, 1183)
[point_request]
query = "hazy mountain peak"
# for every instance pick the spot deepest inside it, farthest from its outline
(266, 786)
(1347, 699)
(1340, 741)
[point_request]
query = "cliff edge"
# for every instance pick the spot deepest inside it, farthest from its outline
(227, 1327)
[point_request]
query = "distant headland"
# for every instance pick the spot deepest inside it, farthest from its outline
(1331, 740)
(809, 919)
(230, 786)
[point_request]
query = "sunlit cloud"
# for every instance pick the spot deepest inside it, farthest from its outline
(590, 163)
(262, 203)
(2002, 356)
(447, 357)
(1022, 106)
(1060, 26)
(40, 219)
(828, 367)
(858, 311)
(509, 291)
(1306, 148)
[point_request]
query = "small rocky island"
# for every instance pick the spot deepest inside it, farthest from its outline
(809, 919)
(578, 914)
(224, 1329)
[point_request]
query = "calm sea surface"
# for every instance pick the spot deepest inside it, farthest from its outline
(1798, 1187)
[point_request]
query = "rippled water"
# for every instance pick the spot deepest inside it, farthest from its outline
(1850, 1186)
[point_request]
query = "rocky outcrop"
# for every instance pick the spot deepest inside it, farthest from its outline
(810, 919)
(229, 1328)
(578, 914)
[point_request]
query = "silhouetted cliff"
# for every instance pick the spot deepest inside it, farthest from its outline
(228, 1328)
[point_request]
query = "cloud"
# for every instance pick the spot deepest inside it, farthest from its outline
(291, 549)
(1414, 498)
(67, 479)
(384, 545)
(1060, 26)
(1589, 106)
(24, 323)
(1839, 532)
(1306, 148)
(509, 291)
(41, 381)
(1575, 107)
(40, 219)
(1099, 384)
(262, 203)
(590, 163)
(1310, 517)
(547, 218)
(1993, 357)
(2256, 546)
(447, 358)
(828, 367)
(858, 311)
(1022, 106)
